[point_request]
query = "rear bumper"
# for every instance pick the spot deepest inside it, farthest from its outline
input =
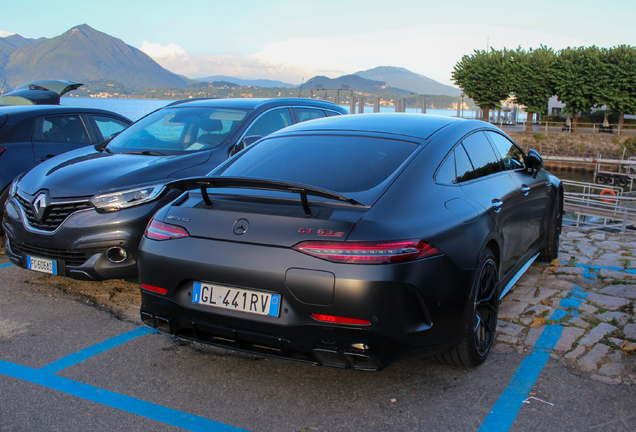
(412, 308)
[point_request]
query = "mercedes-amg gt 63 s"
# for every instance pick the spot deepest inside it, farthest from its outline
(353, 241)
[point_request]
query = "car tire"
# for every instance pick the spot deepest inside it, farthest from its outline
(480, 316)
(551, 250)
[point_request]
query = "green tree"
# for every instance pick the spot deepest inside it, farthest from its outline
(485, 78)
(618, 81)
(578, 73)
(532, 79)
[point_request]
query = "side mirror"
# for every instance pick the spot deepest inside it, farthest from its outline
(101, 146)
(534, 162)
(246, 142)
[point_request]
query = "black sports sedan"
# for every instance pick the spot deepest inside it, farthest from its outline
(82, 214)
(31, 134)
(352, 241)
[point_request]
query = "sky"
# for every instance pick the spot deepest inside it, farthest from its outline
(292, 41)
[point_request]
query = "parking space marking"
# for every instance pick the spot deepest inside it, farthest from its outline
(507, 407)
(91, 351)
(590, 271)
(5, 265)
(115, 400)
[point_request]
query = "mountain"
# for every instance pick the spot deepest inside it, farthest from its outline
(353, 82)
(405, 79)
(84, 54)
(265, 83)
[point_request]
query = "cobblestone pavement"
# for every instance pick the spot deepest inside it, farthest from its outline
(590, 290)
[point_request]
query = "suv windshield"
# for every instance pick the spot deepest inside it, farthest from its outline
(343, 164)
(178, 130)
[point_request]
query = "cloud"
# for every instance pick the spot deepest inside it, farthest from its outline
(6, 33)
(432, 53)
(169, 51)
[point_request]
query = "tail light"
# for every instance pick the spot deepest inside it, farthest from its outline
(157, 230)
(340, 320)
(155, 289)
(368, 252)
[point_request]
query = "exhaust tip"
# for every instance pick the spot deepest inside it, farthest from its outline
(116, 255)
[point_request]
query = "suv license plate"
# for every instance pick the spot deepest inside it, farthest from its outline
(255, 302)
(42, 265)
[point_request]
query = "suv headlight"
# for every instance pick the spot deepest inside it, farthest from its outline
(114, 201)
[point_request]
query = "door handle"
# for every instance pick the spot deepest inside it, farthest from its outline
(47, 157)
(496, 204)
(525, 190)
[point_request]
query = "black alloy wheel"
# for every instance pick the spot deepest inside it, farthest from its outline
(480, 316)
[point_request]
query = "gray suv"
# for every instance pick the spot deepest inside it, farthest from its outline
(82, 214)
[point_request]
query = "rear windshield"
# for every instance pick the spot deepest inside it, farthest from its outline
(343, 164)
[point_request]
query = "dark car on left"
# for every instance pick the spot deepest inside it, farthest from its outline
(31, 134)
(82, 214)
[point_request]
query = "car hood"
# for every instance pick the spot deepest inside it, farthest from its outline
(83, 173)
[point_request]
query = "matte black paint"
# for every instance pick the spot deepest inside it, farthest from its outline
(413, 307)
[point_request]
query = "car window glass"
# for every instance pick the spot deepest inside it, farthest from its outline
(332, 113)
(108, 125)
(179, 130)
(481, 154)
(305, 114)
(270, 122)
(338, 163)
(446, 172)
(465, 170)
(20, 132)
(511, 155)
(61, 129)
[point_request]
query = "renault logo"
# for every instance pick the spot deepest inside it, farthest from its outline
(40, 206)
(240, 226)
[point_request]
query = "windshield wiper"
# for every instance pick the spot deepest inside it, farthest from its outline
(204, 183)
(145, 153)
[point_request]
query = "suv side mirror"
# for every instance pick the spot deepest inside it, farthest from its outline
(246, 142)
(534, 162)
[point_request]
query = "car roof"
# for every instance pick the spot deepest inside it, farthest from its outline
(16, 113)
(252, 103)
(420, 126)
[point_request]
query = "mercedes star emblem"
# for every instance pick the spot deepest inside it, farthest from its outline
(240, 226)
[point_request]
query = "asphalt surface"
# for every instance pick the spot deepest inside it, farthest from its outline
(65, 365)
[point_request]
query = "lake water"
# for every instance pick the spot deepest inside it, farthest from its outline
(134, 109)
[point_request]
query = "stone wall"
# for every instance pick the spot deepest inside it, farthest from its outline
(571, 144)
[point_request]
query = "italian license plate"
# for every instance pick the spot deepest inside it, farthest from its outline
(42, 265)
(256, 302)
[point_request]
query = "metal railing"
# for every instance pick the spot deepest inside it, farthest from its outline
(607, 209)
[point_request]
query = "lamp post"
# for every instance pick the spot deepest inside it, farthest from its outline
(462, 104)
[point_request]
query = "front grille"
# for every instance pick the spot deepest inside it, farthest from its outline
(57, 213)
(70, 258)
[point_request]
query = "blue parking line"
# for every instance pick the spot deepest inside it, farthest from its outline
(590, 271)
(115, 400)
(91, 351)
(6, 265)
(507, 407)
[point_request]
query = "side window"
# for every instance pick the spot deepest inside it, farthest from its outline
(511, 155)
(108, 126)
(446, 171)
(305, 114)
(332, 113)
(270, 122)
(61, 129)
(21, 132)
(465, 170)
(482, 155)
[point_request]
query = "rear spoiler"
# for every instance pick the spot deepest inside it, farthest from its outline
(204, 183)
